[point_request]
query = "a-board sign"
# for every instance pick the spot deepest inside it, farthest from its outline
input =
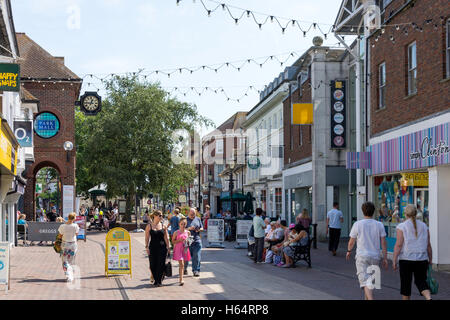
(118, 252)
(216, 232)
(242, 229)
(4, 264)
(81, 222)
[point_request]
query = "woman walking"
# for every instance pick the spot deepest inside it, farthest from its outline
(157, 240)
(181, 247)
(414, 254)
(69, 232)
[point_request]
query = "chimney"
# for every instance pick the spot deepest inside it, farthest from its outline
(60, 60)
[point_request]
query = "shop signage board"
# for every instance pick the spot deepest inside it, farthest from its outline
(7, 152)
(46, 125)
(118, 252)
(4, 264)
(68, 199)
(242, 230)
(416, 179)
(9, 77)
(421, 149)
(42, 231)
(338, 114)
(81, 222)
(216, 233)
(302, 114)
(23, 130)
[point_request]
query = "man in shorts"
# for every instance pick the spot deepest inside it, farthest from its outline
(368, 235)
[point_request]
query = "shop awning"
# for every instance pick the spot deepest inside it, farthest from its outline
(98, 190)
(236, 197)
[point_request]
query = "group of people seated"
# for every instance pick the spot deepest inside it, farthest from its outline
(280, 240)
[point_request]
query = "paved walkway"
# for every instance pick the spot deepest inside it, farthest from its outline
(36, 273)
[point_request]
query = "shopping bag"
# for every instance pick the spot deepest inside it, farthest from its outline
(168, 267)
(57, 244)
(432, 283)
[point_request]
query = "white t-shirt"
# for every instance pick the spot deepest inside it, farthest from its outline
(335, 218)
(414, 249)
(69, 232)
(367, 233)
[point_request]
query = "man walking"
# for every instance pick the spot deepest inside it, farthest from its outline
(259, 228)
(335, 218)
(194, 225)
(368, 235)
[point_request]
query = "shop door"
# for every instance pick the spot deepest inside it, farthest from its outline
(421, 202)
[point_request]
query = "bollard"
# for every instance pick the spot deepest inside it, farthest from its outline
(315, 236)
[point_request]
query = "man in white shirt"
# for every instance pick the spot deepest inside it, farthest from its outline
(335, 218)
(369, 234)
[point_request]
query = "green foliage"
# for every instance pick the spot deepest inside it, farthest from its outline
(128, 145)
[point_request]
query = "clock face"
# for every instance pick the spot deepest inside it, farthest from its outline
(91, 103)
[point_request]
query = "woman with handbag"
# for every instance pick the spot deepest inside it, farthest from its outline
(158, 247)
(181, 241)
(69, 232)
(414, 254)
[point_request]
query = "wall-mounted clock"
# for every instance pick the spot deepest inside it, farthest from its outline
(90, 103)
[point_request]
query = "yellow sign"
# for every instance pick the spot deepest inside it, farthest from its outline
(118, 252)
(302, 113)
(415, 179)
(8, 154)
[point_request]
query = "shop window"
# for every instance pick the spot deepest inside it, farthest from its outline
(278, 202)
(263, 200)
(412, 69)
(382, 86)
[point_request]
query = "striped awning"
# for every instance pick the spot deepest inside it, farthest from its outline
(358, 160)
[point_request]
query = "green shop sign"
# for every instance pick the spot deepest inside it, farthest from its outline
(9, 77)
(254, 163)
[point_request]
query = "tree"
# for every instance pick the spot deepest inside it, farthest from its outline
(128, 145)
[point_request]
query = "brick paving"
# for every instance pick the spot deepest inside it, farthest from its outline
(36, 274)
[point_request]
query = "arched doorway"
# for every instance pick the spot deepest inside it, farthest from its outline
(48, 191)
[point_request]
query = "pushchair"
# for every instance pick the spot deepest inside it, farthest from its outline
(96, 223)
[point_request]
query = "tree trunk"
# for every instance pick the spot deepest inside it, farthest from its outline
(129, 205)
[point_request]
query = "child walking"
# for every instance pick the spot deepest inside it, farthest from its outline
(181, 247)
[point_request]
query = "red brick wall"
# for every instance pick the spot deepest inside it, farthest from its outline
(50, 152)
(297, 152)
(432, 88)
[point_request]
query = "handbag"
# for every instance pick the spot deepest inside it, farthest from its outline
(432, 282)
(58, 242)
(168, 267)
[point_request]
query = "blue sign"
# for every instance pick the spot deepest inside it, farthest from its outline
(46, 125)
(23, 133)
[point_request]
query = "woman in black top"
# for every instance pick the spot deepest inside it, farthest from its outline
(158, 247)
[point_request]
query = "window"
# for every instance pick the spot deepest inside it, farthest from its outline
(275, 122)
(412, 69)
(448, 48)
(219, 146)
(385, 3)
(382, 86)
(263, 200)
(278, 203)
(281, 119)
(300, 139)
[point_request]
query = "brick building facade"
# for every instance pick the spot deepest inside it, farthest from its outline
(391, 48)
(57, 89)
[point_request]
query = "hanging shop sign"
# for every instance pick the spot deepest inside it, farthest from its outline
(253, 163)
(46, 125)
(9, 77)
(23, 130)
(302, 113)
(426, 148)
(4, 264)
(118, 252)
(216, 233)
(338, 114)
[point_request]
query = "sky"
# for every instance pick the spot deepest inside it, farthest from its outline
(118, 36)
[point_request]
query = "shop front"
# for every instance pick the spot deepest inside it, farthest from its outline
(298, 193)
(414, 169)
